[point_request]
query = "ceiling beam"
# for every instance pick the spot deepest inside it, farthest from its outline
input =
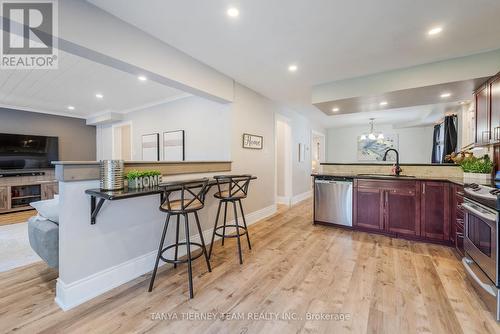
(87, 31)
(458, 69)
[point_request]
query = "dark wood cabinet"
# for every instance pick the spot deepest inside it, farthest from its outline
(411, 209)
(369, 208)
(435, 210)
(388, 206)
(495, 109)
(457, 217)
(402, 214)
(483, 132)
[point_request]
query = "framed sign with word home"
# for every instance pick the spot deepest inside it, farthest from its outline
(253, 141)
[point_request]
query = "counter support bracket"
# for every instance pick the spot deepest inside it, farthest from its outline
(94, 209)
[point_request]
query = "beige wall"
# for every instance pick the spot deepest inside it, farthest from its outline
(253, 113)
(76, 139)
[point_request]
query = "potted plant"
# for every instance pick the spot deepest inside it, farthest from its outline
(477, 169)
(143, 179)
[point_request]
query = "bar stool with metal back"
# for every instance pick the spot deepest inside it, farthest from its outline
(231, 188)
(192, 198)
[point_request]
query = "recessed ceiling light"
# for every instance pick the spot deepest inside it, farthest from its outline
(435, 31)
(99, 95)
(292, 68)
(71, 108)
(335, 109)
(383, 103)
(142, 78)
(233, 12)
(445, 95)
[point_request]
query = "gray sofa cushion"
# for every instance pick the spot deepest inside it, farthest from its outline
(44, 239)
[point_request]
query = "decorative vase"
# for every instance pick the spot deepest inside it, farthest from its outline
(144, 182)
(111, 174)
(477, 178)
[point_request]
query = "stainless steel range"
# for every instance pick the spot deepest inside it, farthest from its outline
(481, 242)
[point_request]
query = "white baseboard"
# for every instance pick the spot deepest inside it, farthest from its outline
(283, 200)
(76, 293)
(300, 197)
(71, 295)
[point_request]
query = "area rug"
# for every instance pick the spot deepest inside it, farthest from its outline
(15, 249)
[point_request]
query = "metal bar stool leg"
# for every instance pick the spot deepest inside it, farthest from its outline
(202, 241)
(177, 239)
(160, 248)
(245, 224)
(188, 250)
(237, 231)
(225, 218)
(215, 227)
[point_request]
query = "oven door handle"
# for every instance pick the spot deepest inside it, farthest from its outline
(489, 217)
(486, 287)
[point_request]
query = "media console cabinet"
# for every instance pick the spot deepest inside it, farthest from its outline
(17, 192)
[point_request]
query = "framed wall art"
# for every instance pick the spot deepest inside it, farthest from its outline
(173, 146)
(150, 146)
(253, 142)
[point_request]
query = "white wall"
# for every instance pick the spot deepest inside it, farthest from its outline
(415, 144)
(301, 133)
(206, 125)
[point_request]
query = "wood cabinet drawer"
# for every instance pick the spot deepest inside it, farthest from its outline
(386, 184)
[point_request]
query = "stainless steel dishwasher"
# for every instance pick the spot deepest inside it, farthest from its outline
(333, 200)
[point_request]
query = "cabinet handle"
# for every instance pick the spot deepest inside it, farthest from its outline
(497, 133)
(423, 188)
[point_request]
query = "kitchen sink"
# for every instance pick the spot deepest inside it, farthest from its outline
(388, 175)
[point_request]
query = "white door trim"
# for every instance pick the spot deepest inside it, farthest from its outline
(287, 198)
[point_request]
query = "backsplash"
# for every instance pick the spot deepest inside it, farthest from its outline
(414, 170)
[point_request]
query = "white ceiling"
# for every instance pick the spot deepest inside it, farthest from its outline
(75, 83)
(328, 39)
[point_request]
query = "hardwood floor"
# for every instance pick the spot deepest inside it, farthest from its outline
(16, 217)
(380, 285)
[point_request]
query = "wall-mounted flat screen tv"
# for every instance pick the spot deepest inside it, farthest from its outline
(27, 152)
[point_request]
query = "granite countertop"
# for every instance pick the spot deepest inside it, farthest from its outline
(70, 163)
(385, 164)
(126, 192)
(375, 176)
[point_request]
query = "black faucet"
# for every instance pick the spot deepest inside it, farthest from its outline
(398, 168)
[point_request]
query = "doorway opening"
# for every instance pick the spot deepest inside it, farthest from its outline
(283, 168)
(317, 150)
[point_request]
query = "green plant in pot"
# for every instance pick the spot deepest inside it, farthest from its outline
(143, 179)
(477, 169)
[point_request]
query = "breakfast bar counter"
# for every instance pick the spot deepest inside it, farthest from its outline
(122, 246)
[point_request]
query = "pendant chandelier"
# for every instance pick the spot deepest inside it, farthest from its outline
(372, 135)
